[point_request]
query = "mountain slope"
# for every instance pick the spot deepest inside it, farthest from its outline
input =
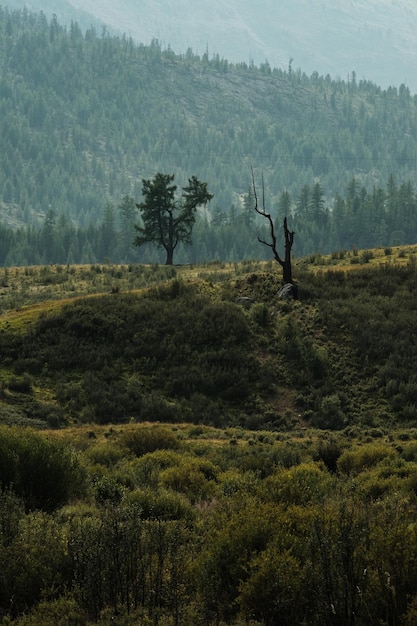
(185, 350)
(376, 39)
(85, 118)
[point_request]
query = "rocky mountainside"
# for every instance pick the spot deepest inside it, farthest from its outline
(376, 39)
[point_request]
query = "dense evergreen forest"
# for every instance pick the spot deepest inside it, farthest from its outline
(85, 116)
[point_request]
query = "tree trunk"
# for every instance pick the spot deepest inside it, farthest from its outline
(170, 256)
(286, 264)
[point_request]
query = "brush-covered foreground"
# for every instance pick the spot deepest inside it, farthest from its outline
(200, 460)
(191, 525)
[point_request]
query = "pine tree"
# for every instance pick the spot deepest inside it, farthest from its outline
(167, 219)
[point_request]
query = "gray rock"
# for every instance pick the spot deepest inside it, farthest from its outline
(288, 291)
(245, 302)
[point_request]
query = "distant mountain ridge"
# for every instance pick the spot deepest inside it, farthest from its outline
(84, 118)
(376, 39)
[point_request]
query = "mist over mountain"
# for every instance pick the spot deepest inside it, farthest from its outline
(376, 39)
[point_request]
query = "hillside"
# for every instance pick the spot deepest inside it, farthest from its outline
(171, 455)
(85, 117)
(377, 40)
(186, 350)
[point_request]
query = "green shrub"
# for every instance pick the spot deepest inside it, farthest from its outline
(108, 490)
(61, 612)
(36, 566)
(362, 458)
(272, 590)
(105, 453)
(161, 504)
(195, 478)
(143, 439)
(409, 452)
(45, 474)
(330, 415)
(11, 512)
(301, 485)
(366, 256)
(260, 314)
(146, 470)
(329, 452)
(21, 384)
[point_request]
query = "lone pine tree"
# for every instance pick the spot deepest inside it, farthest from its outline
(167, 218)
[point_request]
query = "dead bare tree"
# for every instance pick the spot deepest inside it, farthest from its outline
(285, 263)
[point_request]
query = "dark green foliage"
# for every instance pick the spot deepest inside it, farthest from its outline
(344, 353)
(149, 439)
(372, 314)
(108, 491)
(167, 220)
(149, 357)
(162, 505)
(21, 385)
(125, 564)
(34, 566)
(44, 474)
(202, 535)
(11, 512)
(328, 452)
(63, 612)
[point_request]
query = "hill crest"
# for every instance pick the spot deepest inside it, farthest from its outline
(375, 39)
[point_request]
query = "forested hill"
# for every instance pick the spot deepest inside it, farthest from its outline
(84, 117)
(376, 38)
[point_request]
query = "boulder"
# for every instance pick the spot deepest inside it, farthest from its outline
(288, 291)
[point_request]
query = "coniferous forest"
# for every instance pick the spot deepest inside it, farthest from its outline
(86, 116)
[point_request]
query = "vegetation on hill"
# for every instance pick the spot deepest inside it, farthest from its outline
(218, 456)
(85, 117)
(190, 349)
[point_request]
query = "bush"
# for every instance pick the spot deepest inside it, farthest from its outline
(43, 473)
(301, 485)
(21, 384)
(330, 416)
(143, 439)
(61, 612)
(329, 452)
(36, 565)
(260, 314)
(196, 479)
(108, 490)
(11, 512)
(162, 505)
(364, 457)
(120, 356)
(107, 454)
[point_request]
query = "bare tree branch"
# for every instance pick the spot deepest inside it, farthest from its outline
(288, 235)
